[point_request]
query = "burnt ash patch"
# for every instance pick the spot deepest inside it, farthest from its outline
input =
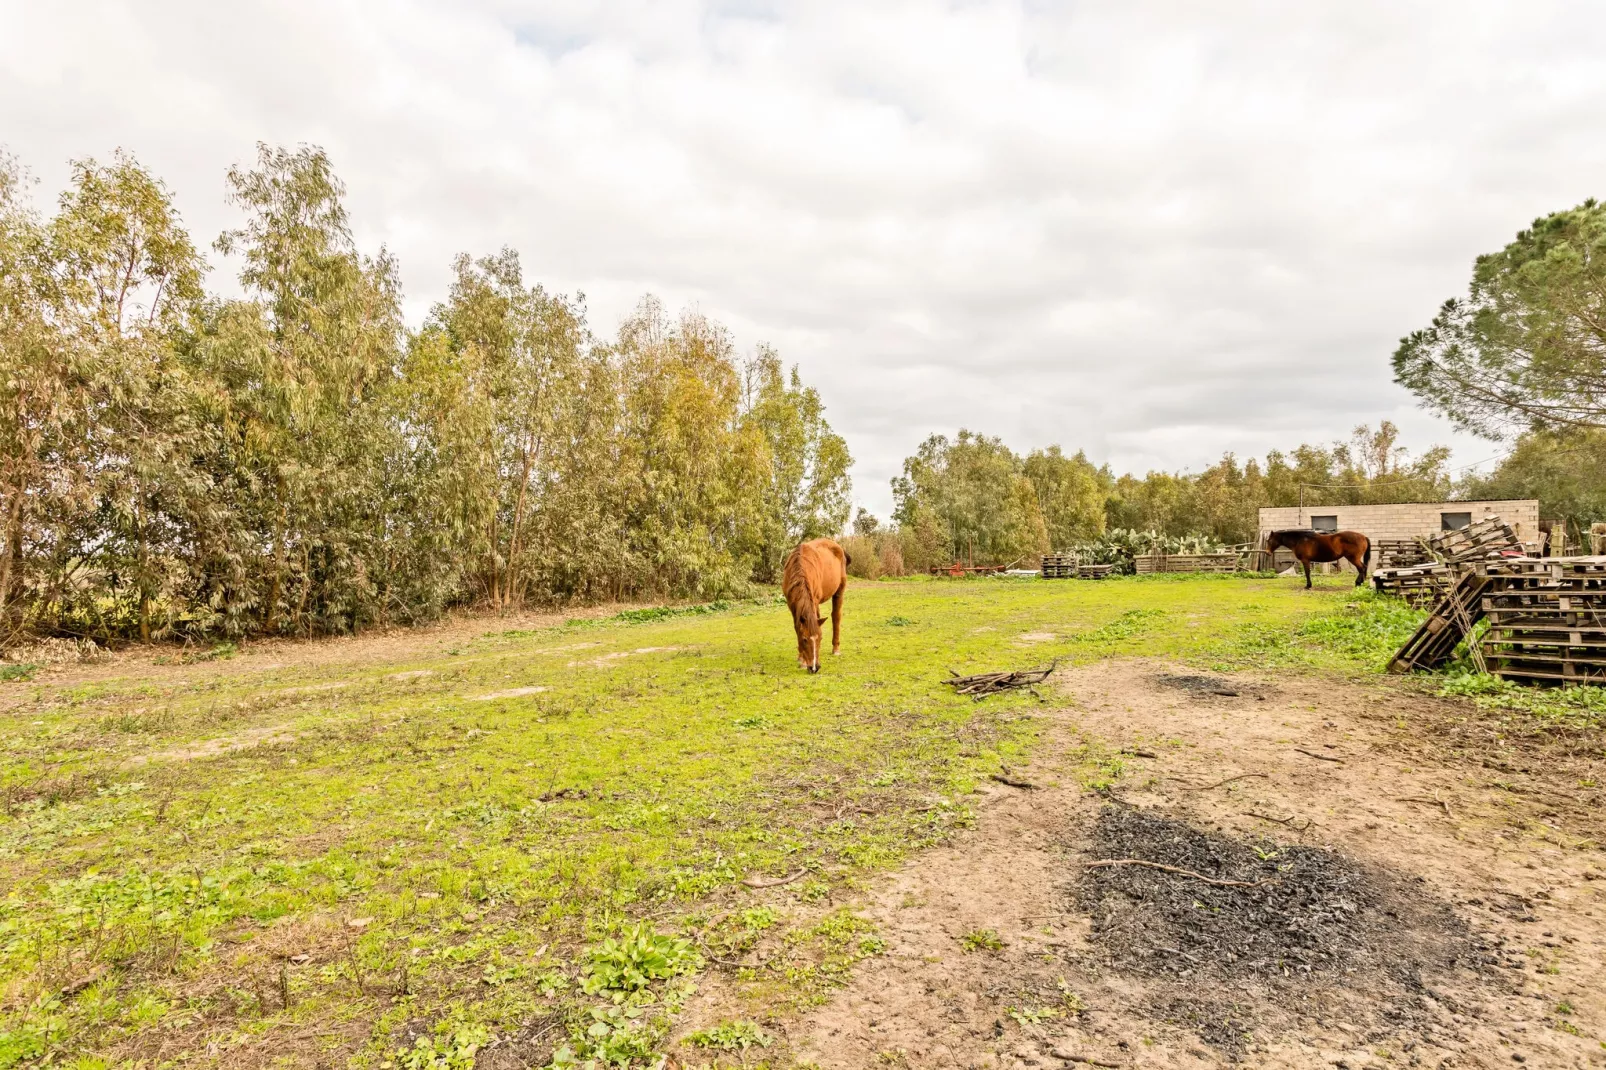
(1317, 936)
(1210, 686)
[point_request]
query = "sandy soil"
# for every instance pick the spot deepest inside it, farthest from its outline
(1497, 831)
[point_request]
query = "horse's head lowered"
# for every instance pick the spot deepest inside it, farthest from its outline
(806, 622)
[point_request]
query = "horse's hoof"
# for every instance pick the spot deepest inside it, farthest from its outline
(834, 653)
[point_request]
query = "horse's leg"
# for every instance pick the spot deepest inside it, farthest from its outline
(836, 618)
(1306, 562)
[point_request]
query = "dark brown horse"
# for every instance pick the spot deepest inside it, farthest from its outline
(814, 572)
(1322, 547)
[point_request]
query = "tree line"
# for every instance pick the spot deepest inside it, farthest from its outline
(973, 498)
(297, 460)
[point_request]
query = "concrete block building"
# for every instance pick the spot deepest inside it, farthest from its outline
(1407, 520)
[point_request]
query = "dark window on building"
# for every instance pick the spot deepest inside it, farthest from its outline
(1324, 523)
(1454, 521)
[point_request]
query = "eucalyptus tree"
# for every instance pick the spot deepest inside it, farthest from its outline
(1071, 492)
(808, 491)
(300, 370)
(696, 470)
(126, 285)
(36, 403)
(522, 355)
(975, 492)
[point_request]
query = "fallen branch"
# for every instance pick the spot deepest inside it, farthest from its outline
(1229, 780)
(1319, 757)
(1105, 862)
(1002, 779)
(1140, 753)
(759, 882)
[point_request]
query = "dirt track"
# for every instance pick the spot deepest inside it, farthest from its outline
(1494, 842)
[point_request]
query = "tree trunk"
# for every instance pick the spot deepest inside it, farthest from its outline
(530, 451)
(278, 561)
(144, 580)
(11, 554)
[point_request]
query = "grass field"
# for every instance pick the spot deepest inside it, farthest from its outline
(389, 863)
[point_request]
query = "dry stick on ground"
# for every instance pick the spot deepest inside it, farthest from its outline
(1289, 821)
(1085, 1060)
(1435, 801)
(990, 683)
(1229, 780)
(759, 882)
(1319, 757)
(1002, 779)
(1104, 862)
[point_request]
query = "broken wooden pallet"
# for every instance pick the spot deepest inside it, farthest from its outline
(1451, 621)
(1488, 537)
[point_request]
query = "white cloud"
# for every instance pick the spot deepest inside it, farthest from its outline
(1153, 230)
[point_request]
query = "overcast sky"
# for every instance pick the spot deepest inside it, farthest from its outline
(1153, 231)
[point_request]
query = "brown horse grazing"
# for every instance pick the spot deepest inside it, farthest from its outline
(1323, 547)
(815, 571)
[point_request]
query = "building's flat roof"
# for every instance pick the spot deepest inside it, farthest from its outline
(1385, 505)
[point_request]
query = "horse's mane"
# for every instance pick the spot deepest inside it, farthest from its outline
(1301, 531)
(792, 578)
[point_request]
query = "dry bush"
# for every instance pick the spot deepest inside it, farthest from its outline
(891, 556)
(864, 561)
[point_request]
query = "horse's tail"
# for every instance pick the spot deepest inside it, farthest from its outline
(1366, 558)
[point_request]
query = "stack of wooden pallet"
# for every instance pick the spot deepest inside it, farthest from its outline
(1489, 537)
(1150, 563)
(1059, 566)
(1068, 567)
(1547, 619)
(1420, 585)
(1399, 553)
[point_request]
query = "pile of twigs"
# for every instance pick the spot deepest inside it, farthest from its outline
(983, 684)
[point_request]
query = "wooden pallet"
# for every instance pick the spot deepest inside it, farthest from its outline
(1094, 572)
(1145, 564)
(1488, 537)
(1059, 566)
(1400, 553)
(1547, 619)
(1451, 620)
(1420, 585)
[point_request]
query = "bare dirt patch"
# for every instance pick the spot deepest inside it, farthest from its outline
(268, 735)
(512, 692)
(608, 659)
(1476, 937)
(161, 662)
